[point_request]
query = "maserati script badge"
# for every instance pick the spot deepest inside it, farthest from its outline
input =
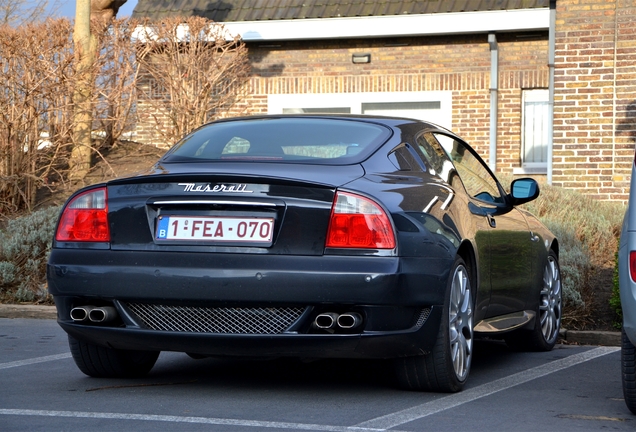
(205, 187)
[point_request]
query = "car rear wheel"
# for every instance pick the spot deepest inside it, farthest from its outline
(547, 323)
(628, 369)
(446, 367)
(101, 362)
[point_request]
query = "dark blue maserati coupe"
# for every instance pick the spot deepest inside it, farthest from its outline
(306, 236)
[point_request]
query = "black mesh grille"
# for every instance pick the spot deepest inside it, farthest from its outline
(421, 319)
(216, 320)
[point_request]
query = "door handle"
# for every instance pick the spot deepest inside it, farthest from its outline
(491, 221)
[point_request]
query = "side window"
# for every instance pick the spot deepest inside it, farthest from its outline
(437, 157)
(472, 171)
(403, 160)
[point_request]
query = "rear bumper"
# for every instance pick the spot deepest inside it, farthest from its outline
(256, 279)
(389, 344)
(388, 292)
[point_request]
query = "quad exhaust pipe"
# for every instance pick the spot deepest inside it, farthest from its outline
(95, 314)
(349, 320)
(326, 321)
(332, 320)
(102, 314)
(80, 313)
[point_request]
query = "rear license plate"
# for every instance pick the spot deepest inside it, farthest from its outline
(216, 229)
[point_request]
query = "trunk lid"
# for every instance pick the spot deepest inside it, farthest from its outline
(236, 208)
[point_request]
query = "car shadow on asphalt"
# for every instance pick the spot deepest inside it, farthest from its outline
(292, 373)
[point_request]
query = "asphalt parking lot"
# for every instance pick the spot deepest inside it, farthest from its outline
(571, 388)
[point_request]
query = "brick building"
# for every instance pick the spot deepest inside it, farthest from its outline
(558, 78)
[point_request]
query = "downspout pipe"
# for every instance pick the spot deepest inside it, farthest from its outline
(494, 90)
(551, 57)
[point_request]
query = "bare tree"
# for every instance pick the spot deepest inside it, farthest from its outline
(20, 12)
(35, 74)
(85, 45)
(192, 71)
(105, 10)
(37, 84)
(85, 38)
(115, 86)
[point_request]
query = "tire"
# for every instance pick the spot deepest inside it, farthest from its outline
(628, 372)
(547, 323)
(101, 362)
(446, 367)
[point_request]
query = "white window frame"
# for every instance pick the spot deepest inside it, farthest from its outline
(354, 101)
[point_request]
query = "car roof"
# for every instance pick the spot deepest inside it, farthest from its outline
(385, 120)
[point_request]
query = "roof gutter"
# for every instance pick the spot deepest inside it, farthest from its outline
(392, 26)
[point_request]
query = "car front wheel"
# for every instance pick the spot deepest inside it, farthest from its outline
(446, 367)
(101, 362)
(547, 323)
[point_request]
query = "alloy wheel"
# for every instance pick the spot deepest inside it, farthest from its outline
(550, 303)
(461, 322)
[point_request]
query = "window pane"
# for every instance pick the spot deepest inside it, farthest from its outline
(400, 106)
(333, 110)
(299, 140)
(474, 175)
(535, 127)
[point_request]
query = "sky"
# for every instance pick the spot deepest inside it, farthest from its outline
(67, 9)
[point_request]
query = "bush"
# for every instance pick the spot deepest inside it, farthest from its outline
(575, 264)
(25, 244)
(615, 299)
(588, 231)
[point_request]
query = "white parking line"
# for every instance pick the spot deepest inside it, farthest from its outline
(378, 424)
(178, 419)
(34, 360)
(415, 413)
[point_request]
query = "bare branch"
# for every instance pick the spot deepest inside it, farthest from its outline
(192, 71)
(20, 12)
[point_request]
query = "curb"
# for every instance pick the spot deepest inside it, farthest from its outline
(591, 337)
(578, 337)
(27, 311)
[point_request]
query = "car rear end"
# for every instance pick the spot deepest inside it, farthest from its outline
(246, 255)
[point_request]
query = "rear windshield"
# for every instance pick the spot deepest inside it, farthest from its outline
(300, 140)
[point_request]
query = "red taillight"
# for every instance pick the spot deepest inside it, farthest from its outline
(632, 265)
(358, 222)
(85, 218)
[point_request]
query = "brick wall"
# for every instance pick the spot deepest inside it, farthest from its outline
(595, 96)
(460, 64)
(595, 86)
(625, 94)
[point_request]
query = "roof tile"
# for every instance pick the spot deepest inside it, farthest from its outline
(260, 10)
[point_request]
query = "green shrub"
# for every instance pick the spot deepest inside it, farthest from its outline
(575, 264)
(25, 244)
(615, 299)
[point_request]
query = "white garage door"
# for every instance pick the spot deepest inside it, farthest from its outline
(435, 107)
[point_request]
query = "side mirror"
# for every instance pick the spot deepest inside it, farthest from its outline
(523, 190)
